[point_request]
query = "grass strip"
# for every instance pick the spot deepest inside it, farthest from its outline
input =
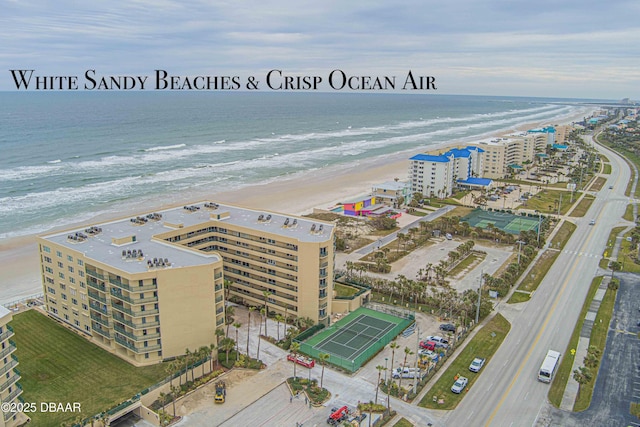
(564, 371)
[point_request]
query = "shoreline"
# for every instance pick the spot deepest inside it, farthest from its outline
(296, 195)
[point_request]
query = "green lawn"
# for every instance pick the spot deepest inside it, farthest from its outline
(484, 344)
(563, 235)
(474, 257)
(583, 206)
(344, 291)
(564, 371)
(58, 365)
(518, 296)
(628, 213)
(546, 201)
(607, 169)
(538, 271)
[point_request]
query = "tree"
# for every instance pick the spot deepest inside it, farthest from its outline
(226, 345)
(295, 348)
(229, 313)
(251, 310)
(380, 368)
(237, 326)
(407, 352)
(279, 319)
(162, 398)
(174, 394)
(219, 335)
(323, 360)
(203, 353)
(266, 309)
(187, 361)
(212, 349)
(262, 310)
(615, 266)
(583, 376)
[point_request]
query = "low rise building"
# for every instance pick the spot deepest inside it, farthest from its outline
(10, 388)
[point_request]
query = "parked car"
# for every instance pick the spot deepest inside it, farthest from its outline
(459, 385)
(448, 327)
(477, 364)
(428, 345)
(427, 353)
(442, 345)
(437, 338)
(405, 373)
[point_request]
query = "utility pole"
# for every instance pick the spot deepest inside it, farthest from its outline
(539, 224)
(520, 243)
(415, 382)
(479, 295)
(560, 204)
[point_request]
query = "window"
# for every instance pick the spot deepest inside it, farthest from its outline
(70, 269)
(59, 254)
(47, 259)
(61, 275)
(64, 296)
(74, 301)
(70, 258)
(72, 280)
(80, 262)
(84, 307)
(60, 264)
(46, 249)
(81, 273)
(63, 286)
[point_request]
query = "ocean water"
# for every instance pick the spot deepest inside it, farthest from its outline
(67, 157)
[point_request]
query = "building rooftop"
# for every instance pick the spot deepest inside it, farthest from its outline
(391, 186)
(129, 244)
(483, 182)
(430, 158)
(4, 312)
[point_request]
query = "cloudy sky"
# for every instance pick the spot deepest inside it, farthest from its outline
(580, 49)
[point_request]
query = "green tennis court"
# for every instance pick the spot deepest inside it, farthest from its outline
(505, 221)
(351, 341)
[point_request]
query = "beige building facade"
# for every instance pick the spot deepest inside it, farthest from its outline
(10, 389)
(149, 287)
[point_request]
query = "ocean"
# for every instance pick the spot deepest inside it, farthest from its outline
(67, 157)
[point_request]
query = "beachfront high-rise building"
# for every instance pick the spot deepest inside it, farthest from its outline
(437, 175)
(151, 286)
(505, 155)
(10, 389)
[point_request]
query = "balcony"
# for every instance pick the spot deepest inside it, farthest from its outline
(138, 349)
(96, 285)
(6, 334)
(97, 297)
(12, 380)
(120, 318)
(137, 313)
(7, 351)
(15, 393)
(130, 300)
(97, 307)
(130, 288)
(101, 332)
(131, 335)
(94, 273)
(11, 364)
(100, 320)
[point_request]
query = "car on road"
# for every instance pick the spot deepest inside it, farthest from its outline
(477, 364)
(448, 327)
(459, 385)
(611, 187)
(592, 222)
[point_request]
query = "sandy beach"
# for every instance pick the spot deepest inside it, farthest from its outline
(298, 194)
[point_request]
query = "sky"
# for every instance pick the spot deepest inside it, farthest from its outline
(567, 49)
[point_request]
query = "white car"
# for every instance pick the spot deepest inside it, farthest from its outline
(459, 385)
(477, 364)
(592, 222)
(436, 338)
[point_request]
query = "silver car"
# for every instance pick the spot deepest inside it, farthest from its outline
(459, 385)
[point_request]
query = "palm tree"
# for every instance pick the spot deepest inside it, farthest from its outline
(583, 376)
(203, 352)
(174, 394)
(393, 347)
(219, 335)
(187, 360)
(212, 348)
(237, 326)
(407, 352)
(259, 333)
(170, 368)
(229, 312)
(323, 360)
(279, 319)
(226, 345)
(380, 368)
(295, 348)
(162, 397)
(251, 310)
(266, 309)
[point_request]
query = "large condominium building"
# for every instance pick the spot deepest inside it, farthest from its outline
(437, 175)
(151, 286)
(505, 155)
(10, 389)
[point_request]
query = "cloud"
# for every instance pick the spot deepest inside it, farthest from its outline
(540, 43)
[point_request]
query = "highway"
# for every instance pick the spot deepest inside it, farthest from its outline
(508, 393)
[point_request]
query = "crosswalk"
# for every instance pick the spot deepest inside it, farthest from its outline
(584, 254)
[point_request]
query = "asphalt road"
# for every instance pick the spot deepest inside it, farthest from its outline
(508, 393)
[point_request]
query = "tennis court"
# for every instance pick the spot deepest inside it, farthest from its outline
(352, 341)
(505, 221)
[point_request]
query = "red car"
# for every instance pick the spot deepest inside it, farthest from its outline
(301, 360)
(429, 345)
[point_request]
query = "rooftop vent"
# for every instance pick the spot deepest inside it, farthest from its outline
(92, 231)
(286, 222)
(158, 263)
(139, 220)
(154, 216)
(260, 217)
(192, 208)
(77, 237)
(211, 205)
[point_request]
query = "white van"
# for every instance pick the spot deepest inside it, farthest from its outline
(405, 373)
